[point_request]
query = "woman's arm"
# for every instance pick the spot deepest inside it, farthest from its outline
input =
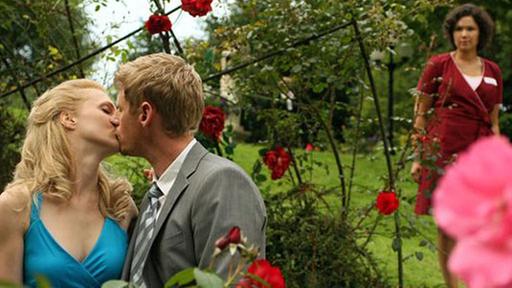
(422, 107)
(14, 220)
(495, 121)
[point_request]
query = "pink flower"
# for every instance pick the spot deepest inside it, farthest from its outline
(309, 147)
(473, 204)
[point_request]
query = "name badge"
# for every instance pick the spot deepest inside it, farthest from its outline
(491, 81)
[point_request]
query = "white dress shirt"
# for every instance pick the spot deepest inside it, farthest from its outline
(167, 179)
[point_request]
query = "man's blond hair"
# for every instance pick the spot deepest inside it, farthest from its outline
(170, 84)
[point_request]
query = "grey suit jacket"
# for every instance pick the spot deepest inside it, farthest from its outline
(210, 195)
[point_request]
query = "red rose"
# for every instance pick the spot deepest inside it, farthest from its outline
(309, 147)
(263, 269)
(212, 122)
(270, 159)
(387, 202)
(196, 7)
(233, 237)
(278, 161)
(158, 23)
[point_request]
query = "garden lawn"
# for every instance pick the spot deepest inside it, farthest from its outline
(421, 268)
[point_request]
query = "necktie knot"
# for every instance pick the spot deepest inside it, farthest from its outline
(154, 192)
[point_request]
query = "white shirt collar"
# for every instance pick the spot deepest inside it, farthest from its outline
(166, 180)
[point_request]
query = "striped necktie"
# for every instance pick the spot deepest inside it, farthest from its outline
(147, 226)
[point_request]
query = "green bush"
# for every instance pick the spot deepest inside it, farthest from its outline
(12, 131)
(314, 248)
(506, 124)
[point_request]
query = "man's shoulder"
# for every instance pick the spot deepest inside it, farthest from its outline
(215, 164)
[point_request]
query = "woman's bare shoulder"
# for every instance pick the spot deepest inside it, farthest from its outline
(15, 206)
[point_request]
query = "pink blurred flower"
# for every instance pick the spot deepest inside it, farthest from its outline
(473, 204)
(309, 147)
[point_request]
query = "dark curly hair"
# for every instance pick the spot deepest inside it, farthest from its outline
(481, 17)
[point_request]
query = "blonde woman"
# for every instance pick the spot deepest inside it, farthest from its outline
(62, 217)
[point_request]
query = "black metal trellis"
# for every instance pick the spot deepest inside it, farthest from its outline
(84, 58)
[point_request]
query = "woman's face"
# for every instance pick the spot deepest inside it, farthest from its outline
(96, 122)
(466, 34)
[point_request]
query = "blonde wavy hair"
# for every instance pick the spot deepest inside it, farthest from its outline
(47, 164)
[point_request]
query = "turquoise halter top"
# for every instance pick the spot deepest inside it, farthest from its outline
(44, 256)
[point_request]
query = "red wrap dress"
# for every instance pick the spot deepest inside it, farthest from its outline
(461, 115)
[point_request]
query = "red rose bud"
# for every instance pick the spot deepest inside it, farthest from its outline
(387, 202)
(233, 237)
(196, 7)
(212, 123)
(158, 23)
(244, 283)
(268, 273)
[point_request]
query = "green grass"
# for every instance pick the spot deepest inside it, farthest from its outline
(367, 182)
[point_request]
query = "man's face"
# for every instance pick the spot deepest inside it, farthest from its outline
(128, 131)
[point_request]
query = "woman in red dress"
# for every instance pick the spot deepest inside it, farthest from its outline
(459, 98)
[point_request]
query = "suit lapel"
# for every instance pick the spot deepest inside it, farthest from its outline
(196, 153)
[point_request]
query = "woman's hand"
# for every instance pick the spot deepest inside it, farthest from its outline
(415, 171)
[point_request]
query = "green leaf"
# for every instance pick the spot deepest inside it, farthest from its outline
(319, 87)
(423, 243)
(208, 280)
(256, 168)
(261, 178)
(419, 255)
(229, 149)
(262, 151)
(296, 69)
(209, 56)
(396, 244)
(115, 284)
(181, 278)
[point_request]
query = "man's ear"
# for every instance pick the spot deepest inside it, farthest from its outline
(68, 120)
(147, 113)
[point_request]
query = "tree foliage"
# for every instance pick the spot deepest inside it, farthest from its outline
(37, 39)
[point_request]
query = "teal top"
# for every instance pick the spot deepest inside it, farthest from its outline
(45, 257)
